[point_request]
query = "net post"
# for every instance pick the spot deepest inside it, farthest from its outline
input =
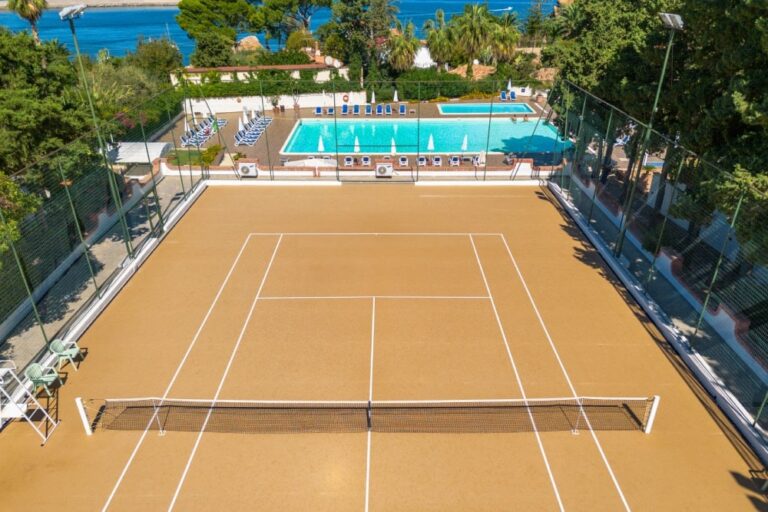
(161, 430)
(652, 414)
(83, 416)
(369, 415)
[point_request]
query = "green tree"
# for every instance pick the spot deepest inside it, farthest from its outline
(402, 48)
(158, 58)
(292, 14)
(504, 37)
(222, 18)
(41, 108)
(473, 28)
(299, 39)
(440, 39)
(30, 10)
(534, 22)
(212, 50)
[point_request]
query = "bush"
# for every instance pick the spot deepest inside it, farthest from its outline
(212, 51)
(299, 39)
(432, 84)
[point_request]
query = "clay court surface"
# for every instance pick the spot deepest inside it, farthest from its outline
(362, 292)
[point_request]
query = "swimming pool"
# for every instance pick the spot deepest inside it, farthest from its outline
(497, 109)
(411, 136)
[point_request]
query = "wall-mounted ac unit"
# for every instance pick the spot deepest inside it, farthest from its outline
(248, 170)
(384, 170)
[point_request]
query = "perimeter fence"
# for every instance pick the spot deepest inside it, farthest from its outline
(694, 236)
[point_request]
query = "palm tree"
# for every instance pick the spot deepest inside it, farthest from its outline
(30, 10)
(403, 47)
(473, 28)
(505, 37)
(439, 39)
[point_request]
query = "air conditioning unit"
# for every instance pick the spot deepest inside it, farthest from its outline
(248, 170)
(384, 170)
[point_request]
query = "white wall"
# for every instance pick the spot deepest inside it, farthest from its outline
(220, 105)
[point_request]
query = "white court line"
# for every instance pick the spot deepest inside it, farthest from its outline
(517, 376)
(381, 297)
(176, 373)
(565, 372)
(224, 376)
(370, 234)
(370, 399)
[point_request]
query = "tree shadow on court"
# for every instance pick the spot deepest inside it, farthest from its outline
(754, 482)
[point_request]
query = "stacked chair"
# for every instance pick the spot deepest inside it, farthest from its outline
(252, 131)
(202, 132)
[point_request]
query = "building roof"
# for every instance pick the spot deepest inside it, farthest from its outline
(137, 152)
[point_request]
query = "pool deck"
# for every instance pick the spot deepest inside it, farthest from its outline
(267, 147)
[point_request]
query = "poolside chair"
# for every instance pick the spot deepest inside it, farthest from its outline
(345, 109)
(379, 110)
(512, 95)
(349, 161)
(356, 110)
(454, 161)
(368, 110)
(388, 110)
(503, 96)
(402, 110)
(65, 351)
(476, 161)
(365, 161)
(318, 111)
(403, 161)
(40, 376)
(437, 161)
(421, 161)
(330, 111)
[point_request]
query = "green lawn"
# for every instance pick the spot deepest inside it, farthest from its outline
(185, 157)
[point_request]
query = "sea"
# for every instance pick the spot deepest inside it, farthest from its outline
(117, 29)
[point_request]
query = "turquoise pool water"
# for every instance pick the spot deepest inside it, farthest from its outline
(412, 136)
(464, 109)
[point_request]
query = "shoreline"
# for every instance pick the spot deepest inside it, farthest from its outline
(57, 4)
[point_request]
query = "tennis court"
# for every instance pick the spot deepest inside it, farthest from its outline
(377, 348)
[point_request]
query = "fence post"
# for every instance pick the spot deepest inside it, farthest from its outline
(86, 249)
(23, 274)
(718, 264)
(418, 127)
(335, 131)
(266, 136)
(664, 222)
(154, 182)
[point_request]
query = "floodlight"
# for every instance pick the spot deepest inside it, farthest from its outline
(71, 12)
(672, 21)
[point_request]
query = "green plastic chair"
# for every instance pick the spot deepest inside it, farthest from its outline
(40, 376)
(65, 351)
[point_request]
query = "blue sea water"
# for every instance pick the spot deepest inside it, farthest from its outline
(410, 136)
(118, 29)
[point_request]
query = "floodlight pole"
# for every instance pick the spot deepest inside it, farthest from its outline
(644, 145)
(102, 146)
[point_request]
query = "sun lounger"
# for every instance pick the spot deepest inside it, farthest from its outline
(454, 161)
(366, 161)
(403, 161)
(437, 161)
(421, 161)
(388, 109)
(356, 110)
(349, 161)
(318, 111)
(402, 110)
(368, 110)
(379, 110)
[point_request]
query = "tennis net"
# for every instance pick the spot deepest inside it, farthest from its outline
(438, 416)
